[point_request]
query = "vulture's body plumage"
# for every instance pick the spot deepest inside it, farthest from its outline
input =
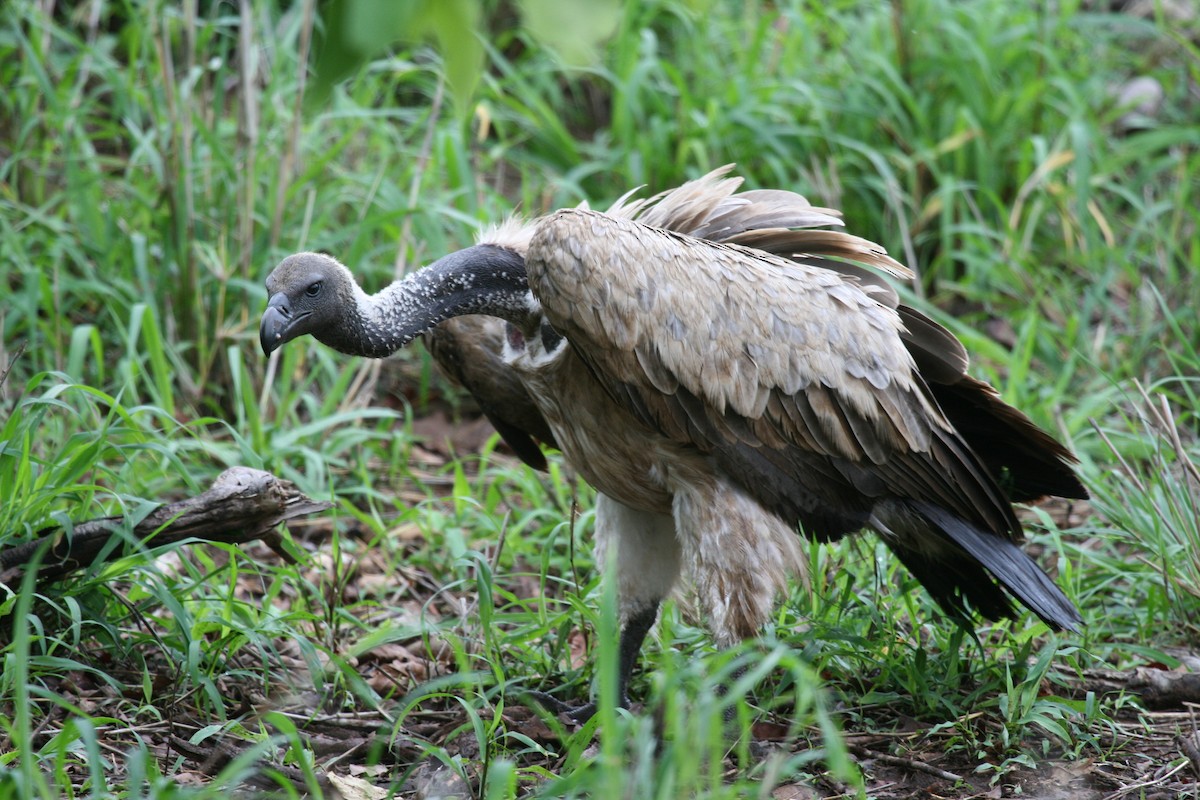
(725, 372)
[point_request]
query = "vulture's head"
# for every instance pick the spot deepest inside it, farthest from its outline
(309, 293)
(314, 293)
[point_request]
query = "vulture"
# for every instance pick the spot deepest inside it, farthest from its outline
(728, 372)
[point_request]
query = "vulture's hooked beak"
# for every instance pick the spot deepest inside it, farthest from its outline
(277, 323)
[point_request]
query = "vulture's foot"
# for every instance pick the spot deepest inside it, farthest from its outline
(579, 714)
(632, 636)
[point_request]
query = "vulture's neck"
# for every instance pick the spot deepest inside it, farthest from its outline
(484, 279)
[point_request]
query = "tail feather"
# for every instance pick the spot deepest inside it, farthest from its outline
(953, 581)
(1026, 461)
(1008, 564)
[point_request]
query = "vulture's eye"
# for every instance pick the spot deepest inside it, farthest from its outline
(313, 290)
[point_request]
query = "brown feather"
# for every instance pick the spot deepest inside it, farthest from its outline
(848, 354)
(469, 351)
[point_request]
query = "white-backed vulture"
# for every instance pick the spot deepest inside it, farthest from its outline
(725, 372)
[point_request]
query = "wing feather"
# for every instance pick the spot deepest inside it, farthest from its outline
(469, 351)
(778, 367)
(778, 323)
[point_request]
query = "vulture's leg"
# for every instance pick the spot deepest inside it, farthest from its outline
(738, 555)
(647, 565)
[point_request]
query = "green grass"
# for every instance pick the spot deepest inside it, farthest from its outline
(155, 162)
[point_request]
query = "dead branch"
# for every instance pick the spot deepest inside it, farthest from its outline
(242, 505)
(212, 758)
(7, 367)
(1156, 688)
(1189, 745)
(911, 764)
(1162, 689)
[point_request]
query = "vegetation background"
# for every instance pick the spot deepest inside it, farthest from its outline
(156, 159)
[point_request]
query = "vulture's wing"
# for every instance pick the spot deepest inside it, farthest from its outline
(469, 350)
(1029, 463)
(793, 376)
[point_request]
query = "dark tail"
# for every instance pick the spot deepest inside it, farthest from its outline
(1022, 458)
(973, 571)
(1025, 461)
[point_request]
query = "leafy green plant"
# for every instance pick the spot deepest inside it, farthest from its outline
(1151, 497)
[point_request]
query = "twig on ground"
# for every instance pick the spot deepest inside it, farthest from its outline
(1145, 784)
(1165, 689)
(214, 758)
(1189, 745)
(907, 763)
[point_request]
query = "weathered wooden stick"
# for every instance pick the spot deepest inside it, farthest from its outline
(1157, 688)
(243, 504)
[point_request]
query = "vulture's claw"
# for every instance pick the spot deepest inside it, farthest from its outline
(578, 714)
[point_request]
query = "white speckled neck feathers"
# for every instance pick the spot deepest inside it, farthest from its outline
(485, 279)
